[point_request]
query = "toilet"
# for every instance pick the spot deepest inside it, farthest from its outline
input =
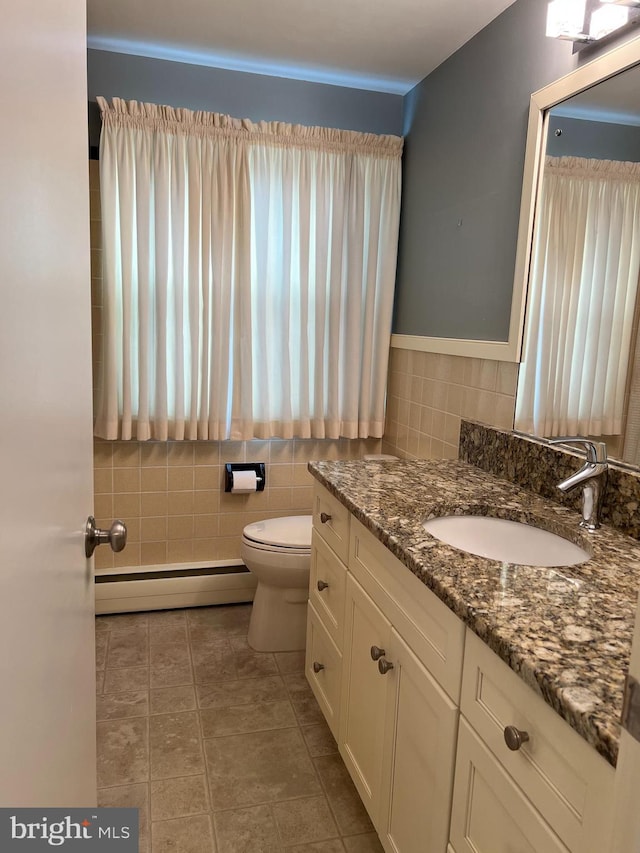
(278, 552)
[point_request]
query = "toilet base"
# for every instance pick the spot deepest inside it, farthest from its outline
(278, 619)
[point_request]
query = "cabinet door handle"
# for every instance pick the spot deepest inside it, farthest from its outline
(384, 666)
(514, 738)
(322, 585)
(377, 652)
(317, 667)
(324, 517)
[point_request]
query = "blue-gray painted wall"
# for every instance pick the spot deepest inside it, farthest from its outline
(237, 93)
(465, 127)
(598, 139)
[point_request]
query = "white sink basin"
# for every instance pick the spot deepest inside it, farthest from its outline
(506, 541)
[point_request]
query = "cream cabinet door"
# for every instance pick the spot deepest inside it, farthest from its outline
(364, 691)
(490, 813)
(418, 758)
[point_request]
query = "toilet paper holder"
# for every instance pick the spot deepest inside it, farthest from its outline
(258, 467)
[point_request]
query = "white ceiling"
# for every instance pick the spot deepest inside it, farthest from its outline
(385, 45)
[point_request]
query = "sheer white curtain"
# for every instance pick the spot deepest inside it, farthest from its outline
(248, 276)
(583, 284)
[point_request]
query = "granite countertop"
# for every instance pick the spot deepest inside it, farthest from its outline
(567, 631)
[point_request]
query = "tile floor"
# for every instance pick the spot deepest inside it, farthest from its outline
(223, 749)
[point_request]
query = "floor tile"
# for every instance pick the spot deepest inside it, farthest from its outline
(99, 681)
(251, 830)
(125, 679)
(367, 843)
(259, 767)
(168, 633)
(130, 648)
(123, 752)
(227, 619)
(175, 745)
(171, 676)
(132, 797)
(166, 619)
(213, 661)
(116, 706)
(183, 835)
(122, 622)
(163, 655)
(333, 845)
(243, 692)
(172, 798)
(261, 716)
(305, 820)
(351, 816)
(304, 702)
(319, 740)
(166, 700)
(102, 643)
(250, 664)
(290, 661)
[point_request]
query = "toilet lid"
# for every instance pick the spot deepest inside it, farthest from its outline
(293, 531)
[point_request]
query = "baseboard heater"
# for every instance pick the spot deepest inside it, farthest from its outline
(163, 587)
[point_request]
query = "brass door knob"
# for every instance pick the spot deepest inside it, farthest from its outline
(384, 666)
(376, 652)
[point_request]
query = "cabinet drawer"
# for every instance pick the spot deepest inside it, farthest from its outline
(326, 682)
(434, 633)
(327, 580)
(335, 527)
(565, 778)
(490, 814)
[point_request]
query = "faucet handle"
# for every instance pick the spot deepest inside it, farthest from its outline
(596, 450)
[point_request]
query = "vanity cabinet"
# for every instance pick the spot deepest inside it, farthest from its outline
(398, 725)
(325, 620)
(564, 784)
(419, 705)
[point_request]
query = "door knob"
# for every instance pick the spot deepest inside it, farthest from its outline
(376, 652)
(322, 585)
(317, 667)
(116, 536)
(324, 517)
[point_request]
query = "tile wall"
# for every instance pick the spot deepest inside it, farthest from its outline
(428, 395)
(171, 494)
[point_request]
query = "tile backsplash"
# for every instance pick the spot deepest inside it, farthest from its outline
(533, 464)
(428, 394)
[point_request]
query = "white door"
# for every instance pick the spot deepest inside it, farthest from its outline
(627, 782)
(47, 679)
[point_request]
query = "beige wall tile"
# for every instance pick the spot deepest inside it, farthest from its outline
(180, 478)
(126, 505)
(180, 503)
(206, 526)
(153, 479)
(153, 553)
(180, 550)
(153, 503)
(180, 527)
(206, 501)
(126, 479)
(180, 453)
(208, 477)
(103, 481)
(153, 454)
(102, 454)
(153, 529)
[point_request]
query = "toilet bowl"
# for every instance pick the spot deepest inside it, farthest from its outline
(277, 552)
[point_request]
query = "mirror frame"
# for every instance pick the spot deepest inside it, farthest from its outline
(605, 66)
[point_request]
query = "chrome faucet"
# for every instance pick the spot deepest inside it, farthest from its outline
(592, 477)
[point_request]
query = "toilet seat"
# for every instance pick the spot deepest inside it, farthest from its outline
(291, 534)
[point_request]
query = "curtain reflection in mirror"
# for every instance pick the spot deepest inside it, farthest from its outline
(583, 285)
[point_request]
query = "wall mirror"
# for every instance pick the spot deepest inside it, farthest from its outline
(580, 246)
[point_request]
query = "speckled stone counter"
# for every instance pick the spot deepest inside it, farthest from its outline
(567, 632)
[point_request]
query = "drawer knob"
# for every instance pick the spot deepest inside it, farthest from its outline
(376, 652)
(514, 738)
(384, 666)
(324, 517)
(322, 585)
(317, 667)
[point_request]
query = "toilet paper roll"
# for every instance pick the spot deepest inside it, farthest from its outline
(244, 482)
